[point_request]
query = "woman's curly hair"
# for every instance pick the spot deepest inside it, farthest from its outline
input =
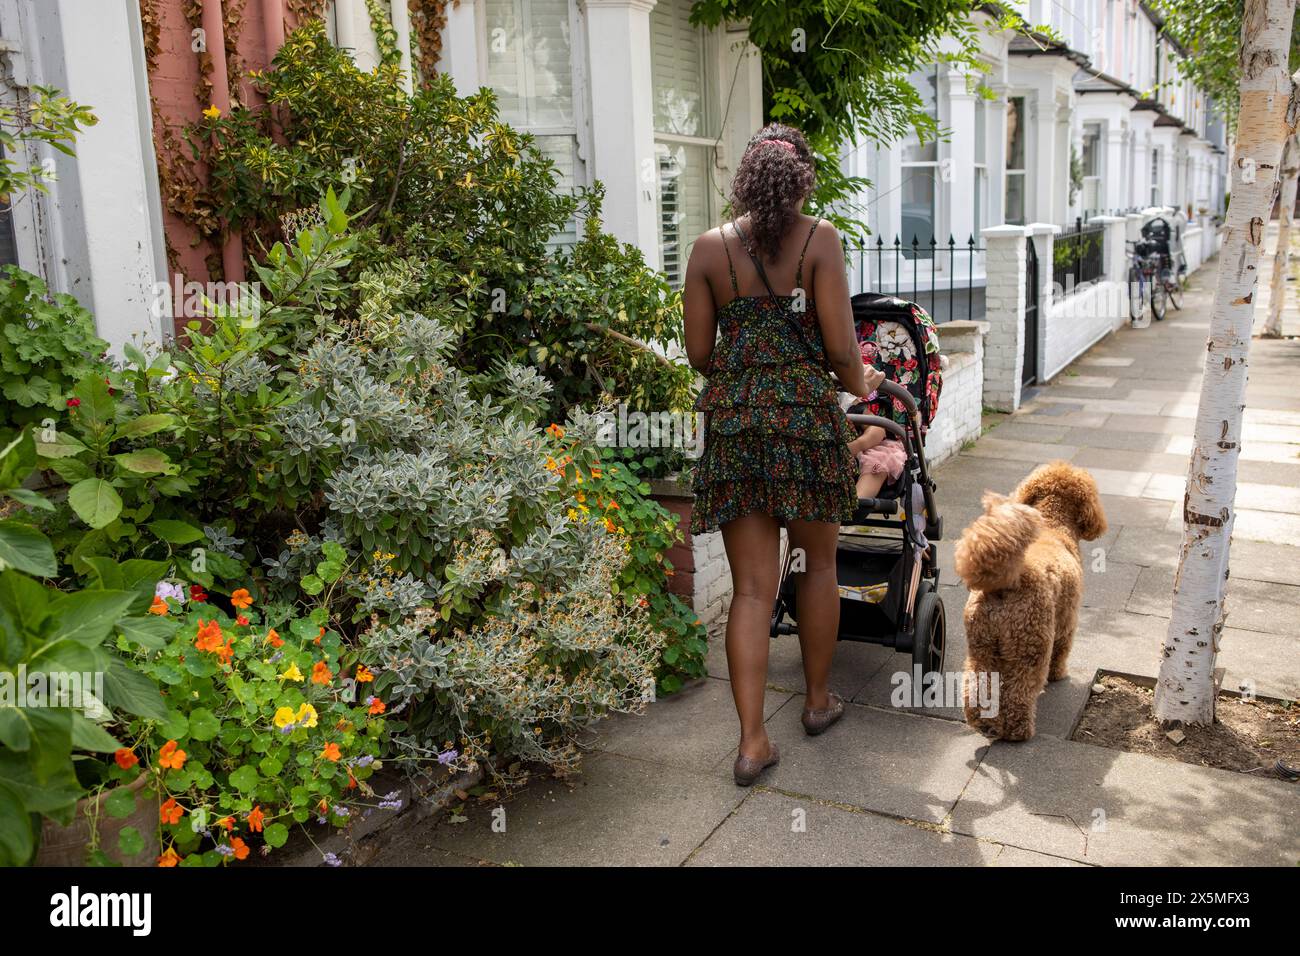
(775, 176)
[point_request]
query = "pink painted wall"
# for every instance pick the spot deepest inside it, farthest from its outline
(175, 87)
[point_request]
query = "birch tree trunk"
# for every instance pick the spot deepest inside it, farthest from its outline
(1282, 255)
(1185, 689)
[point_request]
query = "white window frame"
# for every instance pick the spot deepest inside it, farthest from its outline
(580, 129)
(710, 109)
(1022, 171)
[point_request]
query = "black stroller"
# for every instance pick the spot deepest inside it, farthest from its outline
(887, 560)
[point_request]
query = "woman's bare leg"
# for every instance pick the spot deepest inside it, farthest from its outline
(818, 599)
(753, 551)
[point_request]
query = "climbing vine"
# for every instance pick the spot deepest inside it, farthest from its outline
(428, 17)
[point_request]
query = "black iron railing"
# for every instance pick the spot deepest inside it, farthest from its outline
(1078, 255)
(938, 276)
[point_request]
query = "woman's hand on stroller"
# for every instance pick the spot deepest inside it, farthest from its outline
(873, 377)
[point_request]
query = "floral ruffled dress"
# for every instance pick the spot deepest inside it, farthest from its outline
(776, 439)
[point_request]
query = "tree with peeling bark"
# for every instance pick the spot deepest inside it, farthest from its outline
(1266, 117)
(1282, 255)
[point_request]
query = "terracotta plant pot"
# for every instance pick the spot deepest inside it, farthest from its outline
(69, 846)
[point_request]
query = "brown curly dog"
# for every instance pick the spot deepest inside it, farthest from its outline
(1021, 561)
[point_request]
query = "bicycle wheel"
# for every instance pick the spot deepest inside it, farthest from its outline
(1174, 287)
(1159, 296)
(1135, 296)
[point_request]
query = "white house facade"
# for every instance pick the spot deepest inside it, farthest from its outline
(1092, 119)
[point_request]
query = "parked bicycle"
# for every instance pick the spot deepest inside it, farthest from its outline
(1148, 282)
(1171, 272)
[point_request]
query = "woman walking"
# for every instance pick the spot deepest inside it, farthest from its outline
(767, 318)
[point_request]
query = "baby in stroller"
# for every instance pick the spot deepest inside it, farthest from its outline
(899, 339)
(880, 456)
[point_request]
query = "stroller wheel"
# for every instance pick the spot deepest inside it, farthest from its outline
(931, 634)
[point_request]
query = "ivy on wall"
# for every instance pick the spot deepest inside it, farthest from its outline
(428, 17)
(181, 162)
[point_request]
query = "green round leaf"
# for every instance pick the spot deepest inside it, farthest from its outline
(276, 835)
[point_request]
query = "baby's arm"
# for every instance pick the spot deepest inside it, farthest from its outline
(872, 436)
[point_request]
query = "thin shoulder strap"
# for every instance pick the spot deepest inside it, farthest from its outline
(798, 275)
(758, 263)
(731, 266)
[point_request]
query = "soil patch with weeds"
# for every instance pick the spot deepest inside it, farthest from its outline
(1248, 737)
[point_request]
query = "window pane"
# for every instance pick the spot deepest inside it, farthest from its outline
(683, 203)
(562, 150)
(1016, 133)
(677, 70)
(1015, 211)
(530, 62)
(8, 241)
(917, 198)
(926, 83)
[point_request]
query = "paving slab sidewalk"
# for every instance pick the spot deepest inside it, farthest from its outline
(902, 785)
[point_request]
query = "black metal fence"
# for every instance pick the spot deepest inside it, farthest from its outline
(941, 277)
(1078, 255)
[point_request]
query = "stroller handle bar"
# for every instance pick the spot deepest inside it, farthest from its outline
(890, 427)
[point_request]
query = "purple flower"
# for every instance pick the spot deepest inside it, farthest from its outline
(226, 849)
(341, 812)
(447, 756)
(321, 820)
(390, 804)
(331, 859)
(167, 591)
(365, 760)
(287, 729)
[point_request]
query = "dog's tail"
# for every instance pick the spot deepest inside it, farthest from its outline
(991, 552)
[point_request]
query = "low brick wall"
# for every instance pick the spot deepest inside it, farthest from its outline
(961, 402)
(701, 575)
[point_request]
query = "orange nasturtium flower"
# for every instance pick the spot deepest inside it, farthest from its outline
(255, 819)
(171, 811)
(363, 674)
(125, 758)
(225, 652)
(170, 858)
(171, 757)
(241, 621)
(377, 707)
(226, 823)
(241, 598)
(554, 430)
(273, 636)
(331, 753)
(320, 674)
(240, 848)
(209, 635)
(158, 607)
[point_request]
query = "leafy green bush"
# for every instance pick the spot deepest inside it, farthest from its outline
(268, 723)
(47, 343)
(52, 647)
(463, 208)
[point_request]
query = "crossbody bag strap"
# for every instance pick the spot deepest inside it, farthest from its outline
(818, 358)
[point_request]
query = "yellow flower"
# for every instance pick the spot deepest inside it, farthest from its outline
(284, 717)
(573, 515)
(292, 674)
(306, 716)
(212, 112)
